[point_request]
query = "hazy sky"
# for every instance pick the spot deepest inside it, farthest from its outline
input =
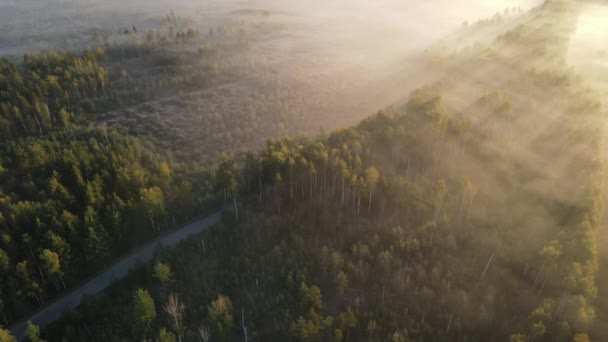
(588, 50)
(23, 22)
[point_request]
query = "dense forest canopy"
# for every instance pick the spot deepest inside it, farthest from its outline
(472, 211)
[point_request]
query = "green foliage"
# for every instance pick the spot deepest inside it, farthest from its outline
(220, 313)
(581, 338)
(50, 261)
(320, 269)
(162, 272)
(225, 176)
(341, 282)
(76, 201)
(517, 338)
(4, 261)
(399, 336)
(165, 336)
(32, 333)
(144, 311)
(5, 336)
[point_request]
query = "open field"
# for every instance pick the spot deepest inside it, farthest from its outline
(298, 72)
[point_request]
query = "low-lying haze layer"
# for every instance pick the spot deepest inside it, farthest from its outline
(400, 23)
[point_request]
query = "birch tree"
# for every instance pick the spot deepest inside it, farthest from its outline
(175, 309)
(372, 177)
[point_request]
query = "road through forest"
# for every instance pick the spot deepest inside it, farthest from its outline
(114, 273)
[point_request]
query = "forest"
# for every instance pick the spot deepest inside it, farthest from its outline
(80, 188)
(472, 211)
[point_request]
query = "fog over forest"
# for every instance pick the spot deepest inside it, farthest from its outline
(329, 170)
